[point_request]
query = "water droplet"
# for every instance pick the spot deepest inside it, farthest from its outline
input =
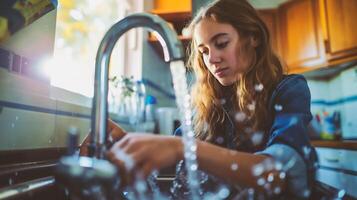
(316, 165)
(341, 194)
(306, 151)
(234, 166)
(16, 173)
(222, 101)
(257, 138)
(282, 175)
(261, 181)
(278, 107)
(259, 87)
(270, 177)
(240, 116)
(49, 141)
(277, 190)
(193, 148)
(11, 181)
(306, 193)
(193, 157)
(16, 118)
(190, 134)
(223, 193)
(248, 130)
(267, 186)
(220, 140)
(12, 125)
(140, 186)
(251, 106)
(258, 169)
(194, 167)
(278, 165)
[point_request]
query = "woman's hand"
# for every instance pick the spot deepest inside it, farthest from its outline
(146, 152)
(115, 134)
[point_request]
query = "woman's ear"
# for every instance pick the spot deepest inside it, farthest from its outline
(254, 41)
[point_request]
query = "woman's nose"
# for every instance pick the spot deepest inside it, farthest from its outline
(214, 57)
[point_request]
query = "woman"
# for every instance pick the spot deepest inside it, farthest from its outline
(247, 113)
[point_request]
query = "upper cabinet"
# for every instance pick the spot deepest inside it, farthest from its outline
(177, 13)
(269, 16)
(172, 6)
(301, 34)
(307, 34)
(317, 33)
(340, 27)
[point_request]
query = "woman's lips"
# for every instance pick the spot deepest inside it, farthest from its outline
(221, 72)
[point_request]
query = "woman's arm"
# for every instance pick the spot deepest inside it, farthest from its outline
(239, 167)
(150, 152)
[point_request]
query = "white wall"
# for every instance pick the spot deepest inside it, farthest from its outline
(338, 94)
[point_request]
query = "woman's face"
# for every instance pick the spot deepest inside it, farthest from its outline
(226, 55)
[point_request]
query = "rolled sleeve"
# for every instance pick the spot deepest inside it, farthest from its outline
(293, 165)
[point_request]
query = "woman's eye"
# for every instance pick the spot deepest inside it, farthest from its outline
(221, 45)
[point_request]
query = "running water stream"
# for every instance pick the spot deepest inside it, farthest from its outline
(183, 101)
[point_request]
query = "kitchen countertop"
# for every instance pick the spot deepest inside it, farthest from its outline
(336, 144)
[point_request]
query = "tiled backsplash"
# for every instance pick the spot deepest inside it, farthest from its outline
(337, 94)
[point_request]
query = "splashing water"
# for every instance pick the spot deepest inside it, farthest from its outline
(11, 181)
(251, 106)
(278, 107)
(259, 87)
(183, 101)
(222, 101)
(240, 116)
(234, 167)
(258, 169)
(257, 138)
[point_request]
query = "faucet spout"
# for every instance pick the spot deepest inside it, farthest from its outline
(172, 49)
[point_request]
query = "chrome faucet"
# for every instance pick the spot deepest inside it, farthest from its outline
(172, 49)
(96, 178)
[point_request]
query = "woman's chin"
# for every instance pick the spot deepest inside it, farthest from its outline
(225, 81)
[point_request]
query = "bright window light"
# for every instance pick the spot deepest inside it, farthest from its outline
(81, 24)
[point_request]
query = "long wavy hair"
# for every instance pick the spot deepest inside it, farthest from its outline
(249, 96)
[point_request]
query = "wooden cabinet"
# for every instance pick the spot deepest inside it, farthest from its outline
(317, 34)
(340, 27)
(172, 6)
(301, 34)
(269, 16)
(178, 14)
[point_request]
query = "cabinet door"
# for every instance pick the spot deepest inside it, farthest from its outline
(172, 6)
(270, 19)
(301, 34)
(341, 25)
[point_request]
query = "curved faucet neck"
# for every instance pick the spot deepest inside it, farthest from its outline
(172, 48)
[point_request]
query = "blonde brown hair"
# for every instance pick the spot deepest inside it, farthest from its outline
(266, 72)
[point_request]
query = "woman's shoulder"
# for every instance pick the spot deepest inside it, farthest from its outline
(292, 88)
(291, 81)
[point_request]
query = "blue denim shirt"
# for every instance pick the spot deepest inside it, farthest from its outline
(288, 140)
